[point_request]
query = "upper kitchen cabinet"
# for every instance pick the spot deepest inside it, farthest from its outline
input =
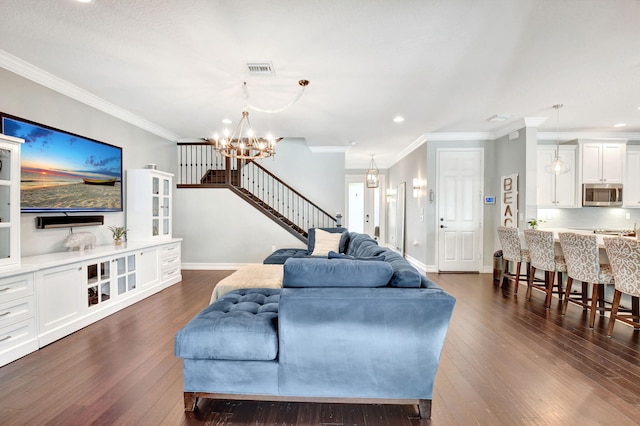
(602, 161)
(555, 191)
(631, 194)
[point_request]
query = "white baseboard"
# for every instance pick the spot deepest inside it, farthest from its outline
(213, 266)
(421, 267)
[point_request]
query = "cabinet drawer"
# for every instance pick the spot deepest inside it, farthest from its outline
(169, 263)
(16, 287)
(170, 273)
(170, 250)
(15, 334)
(16, 310)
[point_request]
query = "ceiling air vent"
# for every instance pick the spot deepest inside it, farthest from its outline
(260, 68)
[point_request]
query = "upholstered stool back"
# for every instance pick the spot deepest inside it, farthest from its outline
(581, 253)
(624, 256)
(510, 242)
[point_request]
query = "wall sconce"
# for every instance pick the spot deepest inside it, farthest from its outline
(391, 193)
(417, 186)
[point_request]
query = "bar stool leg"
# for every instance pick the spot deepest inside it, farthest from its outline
(614, 311)
(530, 281)
(593, 304)
(549, 275)
(566, 296)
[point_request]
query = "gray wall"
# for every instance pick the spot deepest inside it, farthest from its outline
(413, 165)
(220, 228)
(26, 99)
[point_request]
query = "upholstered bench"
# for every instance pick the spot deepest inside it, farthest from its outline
(249, 276)
(242, 325)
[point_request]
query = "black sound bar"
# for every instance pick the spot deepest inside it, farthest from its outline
(44, 222)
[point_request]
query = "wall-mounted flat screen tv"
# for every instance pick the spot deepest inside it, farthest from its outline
(65, 172)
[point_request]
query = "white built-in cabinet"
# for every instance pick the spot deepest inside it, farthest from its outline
(18, 329)
(149, 207)
(602, 162)
(631, 186)
(9, 201)
(555, 191)
(53, 295)
(90, 286)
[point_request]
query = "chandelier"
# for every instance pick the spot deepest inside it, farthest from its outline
(557, 166)
(243, 142)
(373, 175)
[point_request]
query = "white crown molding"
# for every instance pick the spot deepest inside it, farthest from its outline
(459, 136)
(318, 149)
(408, 150)
(567, 136)
(517, 125)
(46, 79)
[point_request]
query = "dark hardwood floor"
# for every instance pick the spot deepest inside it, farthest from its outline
(506, 361)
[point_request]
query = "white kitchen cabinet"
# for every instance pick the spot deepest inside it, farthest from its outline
(631, 185)
(602, 162)
(149, 209)
(555, 191)
(9, 201)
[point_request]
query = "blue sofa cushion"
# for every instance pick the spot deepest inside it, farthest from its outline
(322, 272)
(279, 256)
(334, 255)
(241, 325)
(344, 240)
(404, 275)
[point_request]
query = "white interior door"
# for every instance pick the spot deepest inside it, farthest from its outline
(363, 206)
(460, 183)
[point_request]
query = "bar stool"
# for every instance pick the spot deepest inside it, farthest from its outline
(543, 256)
(624, 256)
(512, 252)
(581, 253)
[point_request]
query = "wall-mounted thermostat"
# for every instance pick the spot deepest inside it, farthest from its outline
(489, 200)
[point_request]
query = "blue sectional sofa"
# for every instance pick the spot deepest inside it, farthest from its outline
(344, 329)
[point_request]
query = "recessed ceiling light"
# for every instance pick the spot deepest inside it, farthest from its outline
(398, 119)
(500, 117)
(620, 125)
(226, 121)
(84, 1)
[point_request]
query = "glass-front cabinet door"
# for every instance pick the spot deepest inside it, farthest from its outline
(148, 212)
(126, 273)
(9, 201)
(98, 282)
(166, 203)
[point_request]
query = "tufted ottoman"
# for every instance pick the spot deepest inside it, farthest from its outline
(242, 325)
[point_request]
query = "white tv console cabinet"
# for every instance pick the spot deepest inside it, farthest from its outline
(52, 295)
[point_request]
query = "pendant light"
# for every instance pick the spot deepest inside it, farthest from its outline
(373, 175)
(557, 166)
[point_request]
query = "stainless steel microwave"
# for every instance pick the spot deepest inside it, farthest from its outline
(602, 194)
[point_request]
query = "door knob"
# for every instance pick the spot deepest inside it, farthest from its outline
(442, 226)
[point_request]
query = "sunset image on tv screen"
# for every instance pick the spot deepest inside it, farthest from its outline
(65, 172)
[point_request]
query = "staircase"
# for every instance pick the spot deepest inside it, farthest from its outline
(201, 166)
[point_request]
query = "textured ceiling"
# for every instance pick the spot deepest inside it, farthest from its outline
(445, 65)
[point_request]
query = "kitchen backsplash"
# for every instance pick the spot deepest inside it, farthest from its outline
(589, 217)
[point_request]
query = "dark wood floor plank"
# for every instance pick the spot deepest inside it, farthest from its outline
(506, 361)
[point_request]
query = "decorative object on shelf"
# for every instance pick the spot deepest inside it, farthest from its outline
(373, 174)
(533, 223)
(118, 232)
(80, 240)
(249, 146)
(557, 166)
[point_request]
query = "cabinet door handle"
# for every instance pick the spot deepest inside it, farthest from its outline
(9, 288)
(5, 338)
(5, 314)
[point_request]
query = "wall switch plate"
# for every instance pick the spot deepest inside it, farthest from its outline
(627, 215)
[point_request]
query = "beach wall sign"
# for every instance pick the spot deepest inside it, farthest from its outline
(509, 200)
